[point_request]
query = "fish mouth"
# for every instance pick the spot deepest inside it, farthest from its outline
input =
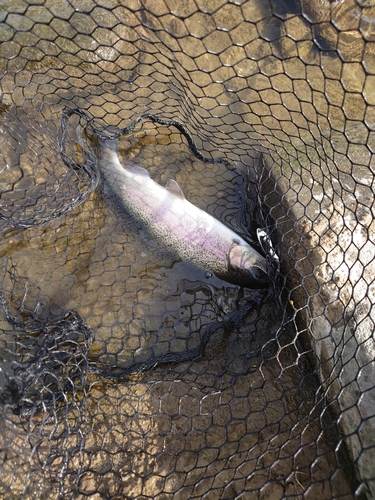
(259, 277)
(247, 268)
(252, 277)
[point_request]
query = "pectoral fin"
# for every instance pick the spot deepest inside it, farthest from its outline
(174, 188)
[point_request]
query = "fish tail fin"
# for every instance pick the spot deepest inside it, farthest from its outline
(107, 143)
(95, 142)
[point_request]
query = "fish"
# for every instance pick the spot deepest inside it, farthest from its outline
(189, 232)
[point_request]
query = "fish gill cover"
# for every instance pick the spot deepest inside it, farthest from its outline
(127, 373)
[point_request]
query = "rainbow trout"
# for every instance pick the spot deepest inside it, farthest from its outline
(180, 226)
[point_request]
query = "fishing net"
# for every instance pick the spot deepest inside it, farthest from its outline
(126, 373)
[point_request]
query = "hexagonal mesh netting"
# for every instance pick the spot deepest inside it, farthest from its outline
(125, 372)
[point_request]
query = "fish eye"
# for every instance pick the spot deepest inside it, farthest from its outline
(236, 241)
(258, 274)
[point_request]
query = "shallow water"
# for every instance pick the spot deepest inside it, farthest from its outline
(215, 424)
(248, 419)
(132, 292)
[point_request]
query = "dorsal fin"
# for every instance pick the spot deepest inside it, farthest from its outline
(136, 169)
(174, 188)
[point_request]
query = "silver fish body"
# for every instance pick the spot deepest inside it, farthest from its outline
(180, 226)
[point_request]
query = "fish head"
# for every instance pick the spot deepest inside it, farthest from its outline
(246, 267)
